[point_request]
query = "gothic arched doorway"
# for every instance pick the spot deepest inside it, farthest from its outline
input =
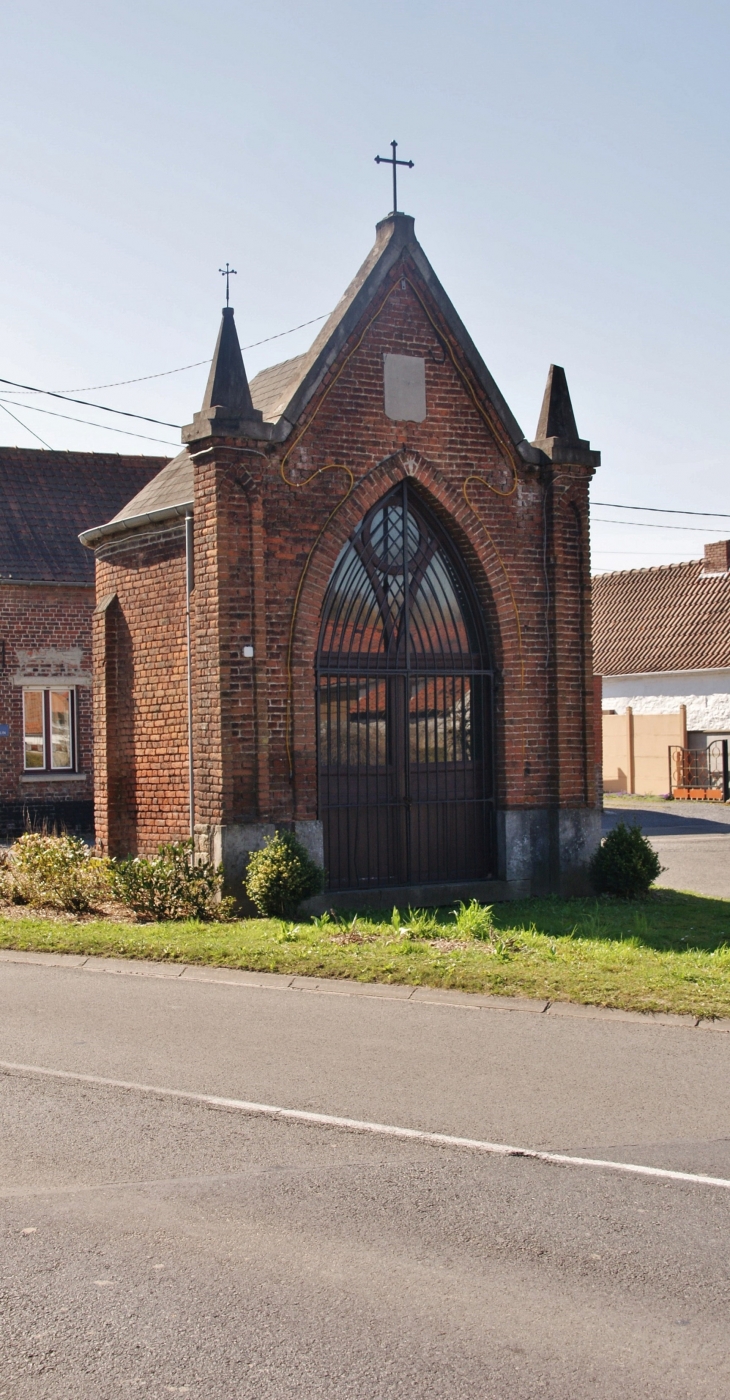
(404, 707)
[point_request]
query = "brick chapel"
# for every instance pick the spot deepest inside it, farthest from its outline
(358, 604)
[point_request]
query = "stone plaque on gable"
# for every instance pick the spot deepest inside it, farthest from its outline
(405, 387)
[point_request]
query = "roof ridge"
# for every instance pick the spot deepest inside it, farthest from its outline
(647, 569)
(48, 452)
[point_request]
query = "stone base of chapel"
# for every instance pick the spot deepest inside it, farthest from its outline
(540, 851)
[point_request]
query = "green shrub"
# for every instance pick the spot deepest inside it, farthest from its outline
(56, 870)
(170, 886)
(281, 875)
(625, 864)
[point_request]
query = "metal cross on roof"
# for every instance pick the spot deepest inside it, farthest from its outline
(391, 160)
(227, 272)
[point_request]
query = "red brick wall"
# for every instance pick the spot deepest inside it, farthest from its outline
(47, 636)
(261, 540)
(140, 671)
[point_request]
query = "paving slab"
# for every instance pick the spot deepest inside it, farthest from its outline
(236, 976)
(448, 996)
(593, 1013)
(611, 1013)
(138, 967)
(21, 955)
(537, 1005)
(394, 991)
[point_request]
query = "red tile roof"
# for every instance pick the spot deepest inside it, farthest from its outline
(672, 618)
(47, 498)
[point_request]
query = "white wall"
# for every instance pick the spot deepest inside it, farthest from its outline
(705, 693)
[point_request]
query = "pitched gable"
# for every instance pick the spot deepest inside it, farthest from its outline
(283, 391)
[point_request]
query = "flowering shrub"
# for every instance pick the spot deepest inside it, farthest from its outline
(170, 886)
(58, 870)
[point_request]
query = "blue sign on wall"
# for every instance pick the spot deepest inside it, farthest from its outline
(4, 731)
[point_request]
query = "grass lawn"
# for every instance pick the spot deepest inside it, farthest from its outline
(670, 952)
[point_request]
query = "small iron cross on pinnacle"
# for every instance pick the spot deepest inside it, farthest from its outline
(227, 272)
(391, 160)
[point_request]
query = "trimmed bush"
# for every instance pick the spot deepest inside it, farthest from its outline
(625, 864)
(281, 875)
(170, 886)
(57, 870)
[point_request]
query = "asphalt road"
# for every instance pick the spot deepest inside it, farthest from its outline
(154, 1246)
(692, 840)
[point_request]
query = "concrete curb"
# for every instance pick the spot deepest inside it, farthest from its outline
(331, 986)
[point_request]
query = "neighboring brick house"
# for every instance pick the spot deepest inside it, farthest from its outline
(46, 607)
(662, 648)
(390, 625)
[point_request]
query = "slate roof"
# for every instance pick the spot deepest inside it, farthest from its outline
(173, 486)
(273, 387)
(672, 618)
(47, 498)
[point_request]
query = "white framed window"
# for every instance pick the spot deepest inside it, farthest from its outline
(49, 729)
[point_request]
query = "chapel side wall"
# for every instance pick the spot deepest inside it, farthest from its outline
(141, 678)
(572, 642)
(231, 779)
(47, 635)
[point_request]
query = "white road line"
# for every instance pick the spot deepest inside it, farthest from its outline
(328, 1120)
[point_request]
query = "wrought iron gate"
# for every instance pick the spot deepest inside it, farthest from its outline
(404, 700)
(703, 774)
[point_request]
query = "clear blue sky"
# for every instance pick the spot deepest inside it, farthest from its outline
(570, 189)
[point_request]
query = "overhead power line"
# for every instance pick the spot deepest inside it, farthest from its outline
(117, 383)
(642, 553)
(279, 334)
(104, 427)
(163, 374)
(649, 525)
(663, 510)
(101, 408)
(25, 427)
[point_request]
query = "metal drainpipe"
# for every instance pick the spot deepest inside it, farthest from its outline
(189, 580)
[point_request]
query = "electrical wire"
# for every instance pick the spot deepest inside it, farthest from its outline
(279, 334)
(649, 525)
(25, 426)
(641, 554)
(104, 427)
(101, 408)
(163, 374)
(663, 510)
